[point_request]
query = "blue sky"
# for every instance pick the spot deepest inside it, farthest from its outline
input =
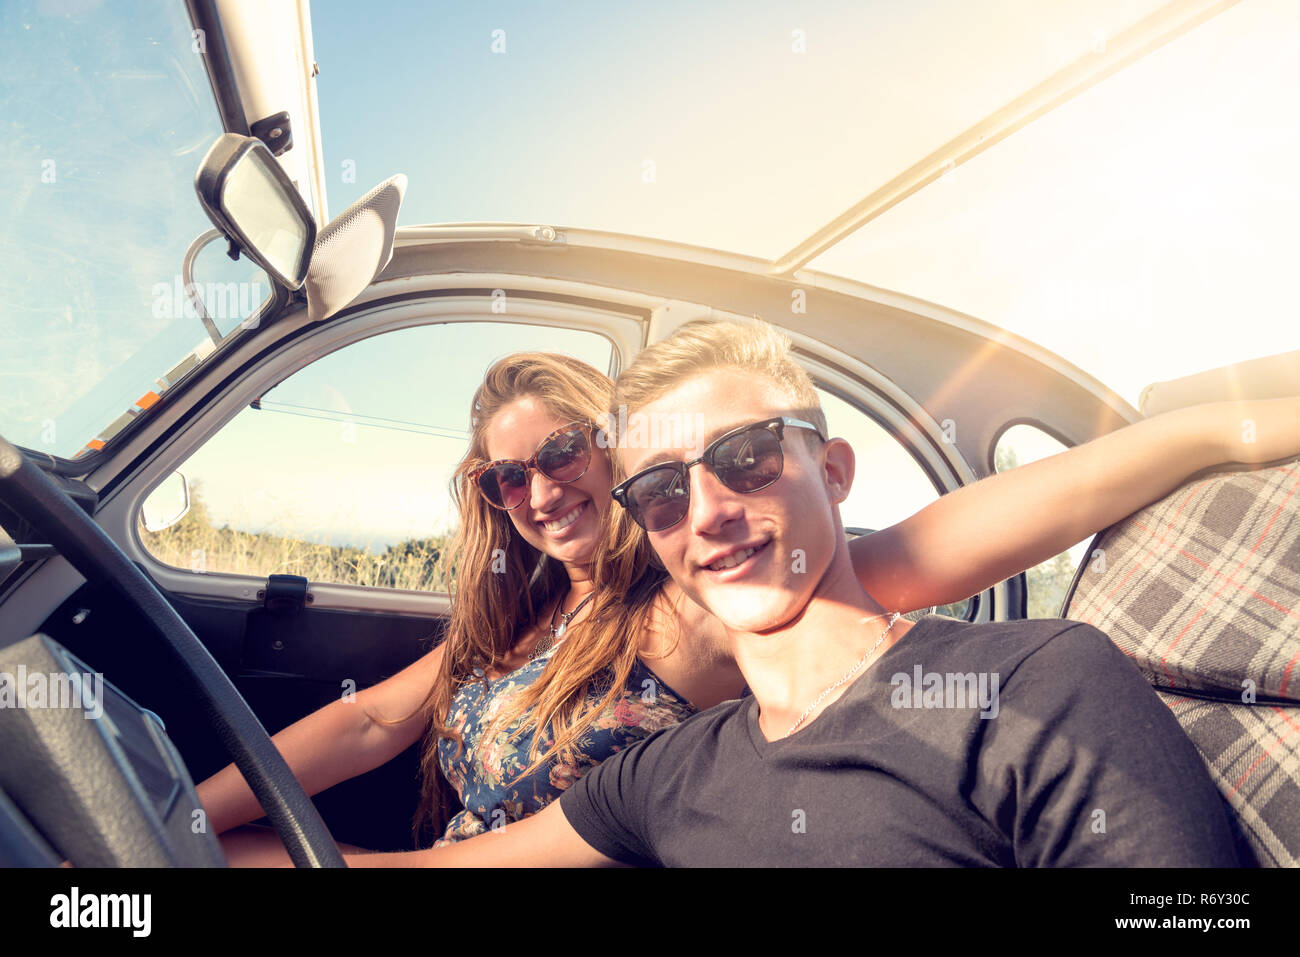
(1120, 231)
(763, 119)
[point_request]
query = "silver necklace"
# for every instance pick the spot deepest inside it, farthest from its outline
(852, 671)
(557, 632)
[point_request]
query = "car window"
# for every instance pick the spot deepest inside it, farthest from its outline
(340, 473)
(1047, 583)
(888, 485)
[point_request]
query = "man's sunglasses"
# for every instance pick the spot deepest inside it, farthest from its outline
(746, 459)
(563, 457)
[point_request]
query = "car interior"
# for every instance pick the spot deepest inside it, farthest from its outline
(201, 666)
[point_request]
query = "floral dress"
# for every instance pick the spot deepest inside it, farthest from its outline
(486, 773)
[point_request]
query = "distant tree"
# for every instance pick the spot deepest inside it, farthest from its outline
(1047, 583)
(421, 557)
(1005, 458)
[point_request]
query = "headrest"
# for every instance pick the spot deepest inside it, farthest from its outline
(353, 249)
(1273, 377)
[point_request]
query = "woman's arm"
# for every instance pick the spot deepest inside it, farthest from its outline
(333, 744)
(984, 533)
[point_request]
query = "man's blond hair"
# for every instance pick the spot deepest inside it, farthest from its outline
(703, 345)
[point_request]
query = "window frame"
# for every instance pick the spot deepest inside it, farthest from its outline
(911, 426)
(1007, 426)
(623, 331)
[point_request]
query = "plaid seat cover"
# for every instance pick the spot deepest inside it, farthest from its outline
(1253, 753)
(1202, 591)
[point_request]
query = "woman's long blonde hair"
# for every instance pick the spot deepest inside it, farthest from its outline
(499, 584)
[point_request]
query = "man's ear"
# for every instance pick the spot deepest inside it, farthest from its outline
(839, 468)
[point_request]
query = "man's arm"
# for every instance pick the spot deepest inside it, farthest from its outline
(984, 533)
(546, 839)
(605, 808)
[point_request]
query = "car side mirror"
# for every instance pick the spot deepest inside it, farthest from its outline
(250, 198)
(167, 504)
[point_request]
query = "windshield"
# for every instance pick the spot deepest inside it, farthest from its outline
(107, 112)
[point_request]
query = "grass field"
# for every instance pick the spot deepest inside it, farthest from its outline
(195, 544)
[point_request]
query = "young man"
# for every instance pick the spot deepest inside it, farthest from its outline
(866, 741)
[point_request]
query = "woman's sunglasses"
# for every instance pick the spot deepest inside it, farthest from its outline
(562, 457)
(746, 459)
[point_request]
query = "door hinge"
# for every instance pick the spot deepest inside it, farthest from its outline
(285, 594)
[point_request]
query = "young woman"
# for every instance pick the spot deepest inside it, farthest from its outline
(567, 642)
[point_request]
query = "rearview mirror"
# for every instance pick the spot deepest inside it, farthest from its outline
(250, 198)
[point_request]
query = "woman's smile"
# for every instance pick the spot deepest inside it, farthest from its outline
(557, 527)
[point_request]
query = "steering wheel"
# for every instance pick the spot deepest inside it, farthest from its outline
(32, 494)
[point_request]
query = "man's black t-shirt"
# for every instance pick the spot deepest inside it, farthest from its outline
(1032, 743)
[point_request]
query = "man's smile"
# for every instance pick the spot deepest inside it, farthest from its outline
(735, 557)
